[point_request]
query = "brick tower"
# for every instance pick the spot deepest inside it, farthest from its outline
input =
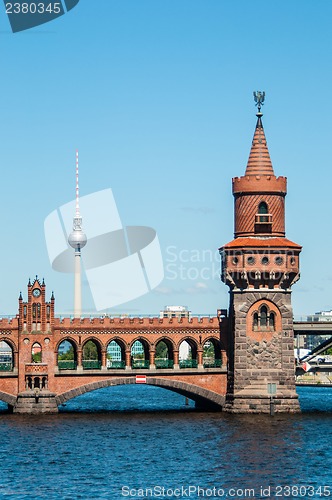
(260, 265)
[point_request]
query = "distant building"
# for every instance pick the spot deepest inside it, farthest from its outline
(114, 350)
(312, 341)
(320, 316)
(175, 312)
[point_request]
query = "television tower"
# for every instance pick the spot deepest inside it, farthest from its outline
(77, 239)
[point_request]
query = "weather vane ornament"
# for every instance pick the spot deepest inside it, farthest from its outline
(259, 99)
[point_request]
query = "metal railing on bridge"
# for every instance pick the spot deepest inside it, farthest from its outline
(116, 365)
(164, 363)
(216, 363)
(91, 364)
(6, 366)
(140, 364)
(188, 363)
(67, 364)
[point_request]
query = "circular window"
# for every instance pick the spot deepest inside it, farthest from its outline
(279, 260)
(265, 260)
(251, 260)
(235, 260)
(293, 261)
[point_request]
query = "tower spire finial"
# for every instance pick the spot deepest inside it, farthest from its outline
(259, 98)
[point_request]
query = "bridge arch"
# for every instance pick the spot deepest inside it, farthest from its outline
(191, 341)
(8, 358)
(212, 356)
(136, 352)
(91, 353)
(116, 353)
(202, 397)
(164, 353)
(69, 339)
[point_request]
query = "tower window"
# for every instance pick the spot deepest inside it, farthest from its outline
(262, 209)
(263, 317)
(263, 220)
(263, 320)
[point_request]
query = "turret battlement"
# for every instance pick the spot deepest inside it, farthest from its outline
(201, 321)
(260, 183)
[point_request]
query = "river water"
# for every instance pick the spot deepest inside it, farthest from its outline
(145, 442)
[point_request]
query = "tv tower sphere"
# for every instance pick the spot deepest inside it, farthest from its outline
(77, 238)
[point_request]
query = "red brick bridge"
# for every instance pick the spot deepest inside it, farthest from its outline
(35, 377)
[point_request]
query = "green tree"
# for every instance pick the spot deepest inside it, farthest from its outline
(161, 350)
(90, 351)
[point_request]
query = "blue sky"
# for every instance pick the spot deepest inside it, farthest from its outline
(157, 97)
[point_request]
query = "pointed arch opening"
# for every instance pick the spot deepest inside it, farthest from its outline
(36, 353)
(212, 354)
(6, 357)
(140, 354)
(164, 355)
(91, 355)
(67, 355)
(116, 355)
(188, 354)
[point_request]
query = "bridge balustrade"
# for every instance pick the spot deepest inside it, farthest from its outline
(188, 363)
(91, 364)
(6, 366)
(67, 364)
(140, 364)
(164, 363)
(215, 363)
(116, 365)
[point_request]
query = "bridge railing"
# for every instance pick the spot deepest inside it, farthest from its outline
(216, 363)
(6, 366)
(67, 364)
(188, 363)
(91, 364)
(164, 363)
(140, 363)
(116, 365)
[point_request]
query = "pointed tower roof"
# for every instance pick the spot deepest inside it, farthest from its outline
(259, 162)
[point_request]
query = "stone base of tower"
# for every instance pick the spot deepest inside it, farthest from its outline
(256, 400)
(261, 360)
(29, 403)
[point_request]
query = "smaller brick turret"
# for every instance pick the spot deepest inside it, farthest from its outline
(36, 314)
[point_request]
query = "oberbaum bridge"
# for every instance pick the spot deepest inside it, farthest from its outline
(253, 367)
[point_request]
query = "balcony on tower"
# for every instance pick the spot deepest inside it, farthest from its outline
(263, 220)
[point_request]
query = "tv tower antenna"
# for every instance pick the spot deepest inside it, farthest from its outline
(77, 240)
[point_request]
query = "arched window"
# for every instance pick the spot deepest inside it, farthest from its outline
(263, 209)
(255, 321)
(36, 353)
(263, 317)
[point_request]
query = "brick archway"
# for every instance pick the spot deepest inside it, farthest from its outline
(205, 397)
